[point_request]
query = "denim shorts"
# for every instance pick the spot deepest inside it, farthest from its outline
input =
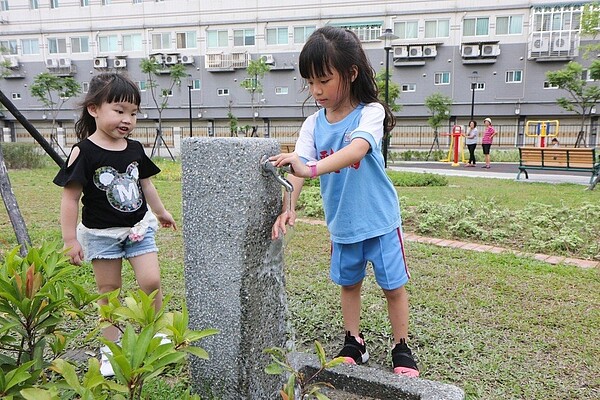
(385, 252)
(108, 248)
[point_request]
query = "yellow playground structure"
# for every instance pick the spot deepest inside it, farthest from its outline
(541, 130)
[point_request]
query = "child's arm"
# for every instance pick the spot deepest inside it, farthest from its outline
(343, 158)
(288, 212)
(69, 214)
(164, 217)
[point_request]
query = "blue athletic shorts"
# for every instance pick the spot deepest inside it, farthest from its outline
(107, 248)
(385, 252)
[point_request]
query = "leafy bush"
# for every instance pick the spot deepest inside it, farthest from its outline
(23, 155)
(310, 202)
(414, 179)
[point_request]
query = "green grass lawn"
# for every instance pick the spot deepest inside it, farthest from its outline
(499, 326)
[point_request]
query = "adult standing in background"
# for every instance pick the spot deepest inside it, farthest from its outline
(471, 138)
(486, 141)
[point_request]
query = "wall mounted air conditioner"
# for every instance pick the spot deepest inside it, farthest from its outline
(415, 51)
(470, 50)
(51, 63)
(64, 62)
(541, 44)
(489, 50)
(561, 44)
(171, 59)
(401, 52)
(119, 63)
(269, 59)
(187, 59)
(156, 58)
(429, 51)
(100, 62)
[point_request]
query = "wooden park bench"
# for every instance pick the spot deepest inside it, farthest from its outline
(559, 159)
(288, 147)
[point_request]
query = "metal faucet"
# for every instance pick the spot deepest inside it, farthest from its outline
(269, 168)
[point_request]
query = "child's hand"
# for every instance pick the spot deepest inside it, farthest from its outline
(298, 167)
(75, 252)
(166, 220)
(279, 227)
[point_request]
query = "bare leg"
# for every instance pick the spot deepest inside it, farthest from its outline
(351, 303)
(397, 301)
(147, 274)
(487, 159)
(108, 278)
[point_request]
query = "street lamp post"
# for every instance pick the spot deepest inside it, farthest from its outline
(474, 77)
(190, 82)
(387, 38)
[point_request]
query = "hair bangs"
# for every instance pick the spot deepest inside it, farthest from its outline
(122, 90)
(314, 61)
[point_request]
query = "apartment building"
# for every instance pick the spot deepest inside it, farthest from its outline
(500, 48)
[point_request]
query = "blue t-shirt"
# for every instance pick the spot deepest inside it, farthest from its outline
(360, 201)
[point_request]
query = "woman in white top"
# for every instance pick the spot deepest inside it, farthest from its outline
(471, 142)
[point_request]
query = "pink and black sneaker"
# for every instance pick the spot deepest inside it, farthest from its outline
(403, 361)
(354, 350)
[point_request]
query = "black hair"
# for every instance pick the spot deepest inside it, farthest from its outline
(108, 87)
(474, 123)
(331, 48)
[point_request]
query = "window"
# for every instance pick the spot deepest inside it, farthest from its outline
(476, 26)
(53, 3)
(30, 46)
(277, 35)
(559, 18)
(106, 2)
(34, 4)
(166, 93)
(84, 3)
(406, 29)
(441, 78)
(80, 44)
(586, 75)
(3, 5)
(511, 25)
(216, 38)
(250, 84)
(479, 86)
(367, 32)
(16, 96)
(515, 76)
(437, 28)
(85, 87)
(137, 1)
(132, 42)
(8, 46)
(161, 41)
(301, 33)
(196, 84)
(186, 40)
(57, 46)
(141, 85)
(409, 87)
(548, 85)
(243, 37)
(281, 90)
(107, 44)
(223, 92)
(63, 96)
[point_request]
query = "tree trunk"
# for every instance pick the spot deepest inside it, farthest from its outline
(12, 207)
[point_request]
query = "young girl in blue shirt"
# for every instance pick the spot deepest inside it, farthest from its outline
(341, 144)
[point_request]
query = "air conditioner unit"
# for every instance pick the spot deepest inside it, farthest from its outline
(541, 44)
(51, 63)
(119, 63)
(13, 62)
(268, 59)
(401, 52)
(429, 51)
(561, 44)
(64, 62)
(171, 59)
(187, 59)
(471, 50)
(100, 62)
(415, 51)
(489, 50)
(156, 58)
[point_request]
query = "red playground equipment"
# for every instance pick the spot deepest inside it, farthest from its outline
(456, 148)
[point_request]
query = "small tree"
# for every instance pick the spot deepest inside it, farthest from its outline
(256, 71)
(54, 91)
(590, 25)
(583, 95)
(161, 100)
(393, 90)
(233, 120)
(439, 107)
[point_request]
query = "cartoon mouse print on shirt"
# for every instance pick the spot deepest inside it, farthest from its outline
(122, 189)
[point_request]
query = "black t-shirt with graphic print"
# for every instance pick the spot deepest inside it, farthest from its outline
(112, 194)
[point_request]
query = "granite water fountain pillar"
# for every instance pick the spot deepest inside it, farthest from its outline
(233, 270)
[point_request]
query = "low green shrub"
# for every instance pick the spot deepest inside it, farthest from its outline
(414, 179)
(23, 155)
